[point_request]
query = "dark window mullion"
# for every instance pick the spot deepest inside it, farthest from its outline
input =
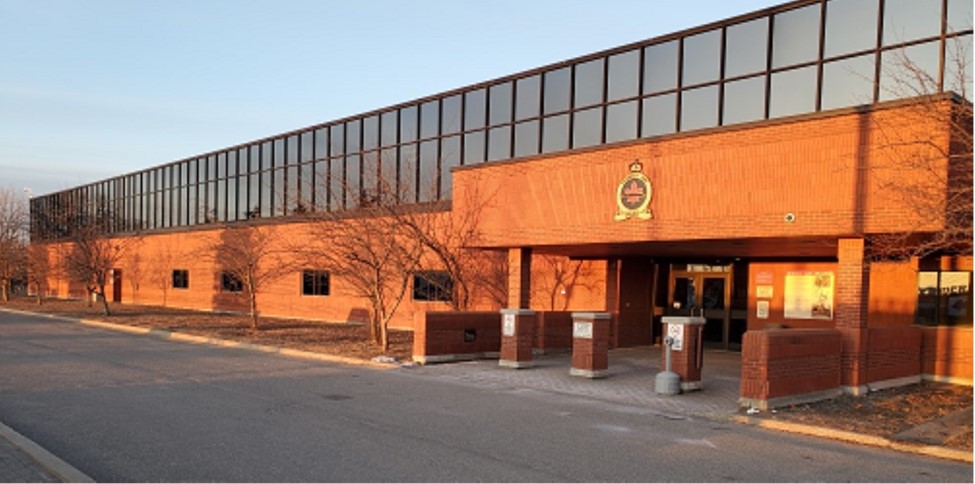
(819, 58)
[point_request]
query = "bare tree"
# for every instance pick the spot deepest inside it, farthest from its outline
(13, 240)
(92, 258)
(929, 170)
(253, 257)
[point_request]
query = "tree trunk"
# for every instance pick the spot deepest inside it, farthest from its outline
(385, 336)
(101, 295)
(6, 291)
(253, 302)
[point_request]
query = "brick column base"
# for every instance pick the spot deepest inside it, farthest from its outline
(590, 344)
(517, 336)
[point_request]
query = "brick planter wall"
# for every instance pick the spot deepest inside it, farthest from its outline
(446, 336)
(553, 330)
(946, 354)
(785, 366)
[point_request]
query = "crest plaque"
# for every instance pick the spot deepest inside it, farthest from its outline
(633, 195)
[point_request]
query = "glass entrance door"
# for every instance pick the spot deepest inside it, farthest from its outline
(707, 294)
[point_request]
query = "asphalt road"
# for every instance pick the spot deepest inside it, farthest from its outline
(134, 408)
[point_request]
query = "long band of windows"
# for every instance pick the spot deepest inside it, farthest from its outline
(802, 57)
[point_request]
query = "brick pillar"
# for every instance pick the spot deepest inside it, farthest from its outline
(851, 297)
(687, 357)
(590, 344)
(517, 335)
(519, 277)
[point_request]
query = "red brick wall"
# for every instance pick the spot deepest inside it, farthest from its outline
(773, 274)
(789, 362)
(893, 353)
(946, 354)
(553, 330)
(442, 333)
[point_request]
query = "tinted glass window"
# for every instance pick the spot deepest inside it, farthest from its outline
(528, 97)
(407, 125)
(793, 92)
(589, 83)
(795, 37)
(473, 148)
(745, 47)
(621, 121)
(557, 90)
(906, 20)
(428, 189)
(336, 144)
(744, 100)
(659, 115)
(587, 127)
(321, 147)
(500, 107)
(429, 119)
(624, 75)
(451, 115)
(959, 15)
(449, 158)
(370, 133)
(958, 66)
(702, 58)
(352, 133)
(526, 138)
(555, 133)
(660, 67)
(475, 105)
(499, 143)
(850, 26)
(909, 72)
(389, 128)
(699, 108)
(848, 82)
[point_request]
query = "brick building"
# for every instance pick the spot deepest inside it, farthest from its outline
(753, 170)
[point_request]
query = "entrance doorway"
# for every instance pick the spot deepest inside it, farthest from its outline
(116, 285)
(708, 293)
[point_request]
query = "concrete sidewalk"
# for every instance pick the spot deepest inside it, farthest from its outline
(22, 460)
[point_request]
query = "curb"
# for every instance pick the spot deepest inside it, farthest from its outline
(50, 462)
(855, 438)
(207, 340)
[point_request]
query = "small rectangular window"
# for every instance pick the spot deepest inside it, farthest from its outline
(432, 286)
(230, 283)
(181, 279)
(944, 298)
(314, 283)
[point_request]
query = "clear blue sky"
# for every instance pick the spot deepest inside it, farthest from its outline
(98, 88)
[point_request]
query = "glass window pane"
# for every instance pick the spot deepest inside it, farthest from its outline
(589, 83)
(370, 133)
(795, 36)
(526, 138)
(906, 20)
(336, 183)
(429, 119)
(389, 128)
(449, 158)
(352, 133)
(624, 76)
(475, 109)
(959, 15)
(793, 92)
(321, 145)
(427, 188)
(745, 48)
(848, 82)
(353, 181)
(307, 146)
(660, 67)
(699, 108)
(528, 97)
(409, 161)
(744, 100)
(909, 72)
(556, 89)
(850, 26)
(450, 109)
(702, 58)
(499, 143)
(407, 125)
(555, 133)
(587, 128)
(388, 167)
(473, 148)
(500, 108)
(621, 121)
(659, 115)
(336, 143)
(958, 66)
